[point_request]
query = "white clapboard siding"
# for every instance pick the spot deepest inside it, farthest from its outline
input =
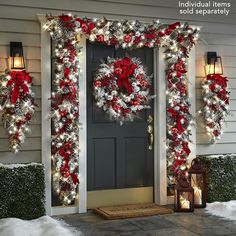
(19, 22)
(36, 78)
(6, 157)
(218, 148)
(161, 10)
(203, 138)
(220, 39)
(30, 40)
(22, 26)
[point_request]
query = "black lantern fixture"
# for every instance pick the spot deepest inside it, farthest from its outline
(16, 56)
(214, 63)
(184, 199)
(197, 176)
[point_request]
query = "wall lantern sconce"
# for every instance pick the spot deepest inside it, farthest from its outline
(16, 56)
(214, 64)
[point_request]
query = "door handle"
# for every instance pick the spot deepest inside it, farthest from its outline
(151, 139)
(150, 132)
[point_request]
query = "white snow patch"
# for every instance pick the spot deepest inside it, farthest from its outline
(43, 226)
(12, 166)
(220, 155)
(222, 209)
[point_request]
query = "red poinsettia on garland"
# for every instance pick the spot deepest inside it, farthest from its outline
(18, 106)
(216, 104)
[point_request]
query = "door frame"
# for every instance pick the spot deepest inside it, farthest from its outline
(160, 170)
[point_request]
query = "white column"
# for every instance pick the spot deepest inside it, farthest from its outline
(192, 98)
(46, 108)
(83, 131)
(160, 176)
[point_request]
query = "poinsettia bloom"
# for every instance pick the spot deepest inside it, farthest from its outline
(98, 83)
(116, 107)
(127, 38)
(113, 41)
(174, 25)
(100, 38)
(65, 18)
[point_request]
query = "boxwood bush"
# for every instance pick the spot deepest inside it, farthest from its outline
(22, 190)
(221, 177)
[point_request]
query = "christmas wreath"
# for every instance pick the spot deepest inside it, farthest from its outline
(216, 104)
(17, 105)
(121, 88)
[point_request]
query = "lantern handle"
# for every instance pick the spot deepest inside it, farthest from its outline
(196, 164)
(183, 182)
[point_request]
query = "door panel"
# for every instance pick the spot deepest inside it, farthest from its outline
(118, 156)
(135, 162)
(104, 161)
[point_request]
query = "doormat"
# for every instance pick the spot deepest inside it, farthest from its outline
(131, 211)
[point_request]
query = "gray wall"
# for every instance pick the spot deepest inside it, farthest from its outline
(18, 22)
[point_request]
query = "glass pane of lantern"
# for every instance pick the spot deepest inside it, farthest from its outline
(185, 200)
(218, 66)
(197, 183)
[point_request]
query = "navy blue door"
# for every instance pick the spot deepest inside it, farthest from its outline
(118, 156)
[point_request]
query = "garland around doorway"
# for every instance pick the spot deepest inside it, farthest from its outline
(65, 30)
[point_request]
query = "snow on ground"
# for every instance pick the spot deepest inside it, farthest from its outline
(43, 226)
(223, 209)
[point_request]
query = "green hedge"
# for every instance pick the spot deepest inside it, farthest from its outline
(22, 190)
(221, 177)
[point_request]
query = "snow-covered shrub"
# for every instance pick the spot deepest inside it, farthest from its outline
(221, 177)
(22, 191)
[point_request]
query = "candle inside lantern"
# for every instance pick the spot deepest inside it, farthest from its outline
(185, 204)
(197, 195)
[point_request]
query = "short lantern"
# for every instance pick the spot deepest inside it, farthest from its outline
(184, 199)
(214, 64)
(197, 176)
(17, 61)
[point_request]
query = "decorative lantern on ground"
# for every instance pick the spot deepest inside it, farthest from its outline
(184, 199)
(197, 176)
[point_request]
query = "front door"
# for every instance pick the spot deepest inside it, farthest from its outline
(120, 164)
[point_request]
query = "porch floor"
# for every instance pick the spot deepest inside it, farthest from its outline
(177, 224)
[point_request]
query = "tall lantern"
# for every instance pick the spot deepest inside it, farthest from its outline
(184, 199)
(197, 175)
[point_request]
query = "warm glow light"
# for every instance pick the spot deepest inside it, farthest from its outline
(17, 63)
(213, 69)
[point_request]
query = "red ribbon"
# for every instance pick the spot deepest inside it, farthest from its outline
(19, 80)
(124, 69)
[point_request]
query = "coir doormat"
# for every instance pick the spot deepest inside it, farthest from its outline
(131, 211)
